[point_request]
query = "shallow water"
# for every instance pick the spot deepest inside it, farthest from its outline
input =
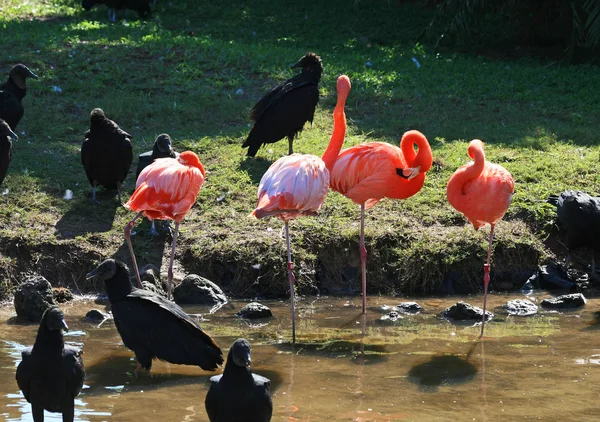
(545, 367)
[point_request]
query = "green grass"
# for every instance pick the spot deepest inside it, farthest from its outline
(179, 73)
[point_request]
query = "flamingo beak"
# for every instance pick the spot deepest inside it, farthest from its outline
(409, 173)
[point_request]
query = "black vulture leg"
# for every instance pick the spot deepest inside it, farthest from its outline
(291, 140)
(94, 193)
(153, 231)
(119, 192)
(170, 273)
(138, 369)
(128, 228)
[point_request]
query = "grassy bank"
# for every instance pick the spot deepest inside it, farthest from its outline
(195, 70)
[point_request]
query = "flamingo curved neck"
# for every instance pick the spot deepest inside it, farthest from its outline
(464, 175)
(422, 157)
(337, 137)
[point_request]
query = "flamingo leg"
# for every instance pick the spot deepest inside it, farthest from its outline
(292, 280)
(363, 259)
(486, 278)
(170, 273)
(128, 228)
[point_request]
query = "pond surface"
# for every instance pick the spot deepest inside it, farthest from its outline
(545, 367)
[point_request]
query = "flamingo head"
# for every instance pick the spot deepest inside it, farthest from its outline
(188, 158)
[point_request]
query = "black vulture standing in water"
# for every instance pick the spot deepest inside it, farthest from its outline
(162, 149)
(106, 153)
(285, 109)
(5, 148)
(12, 93)
(142, 7)
(51, 374)
(579, 219)
(238, 395)
(152, 326)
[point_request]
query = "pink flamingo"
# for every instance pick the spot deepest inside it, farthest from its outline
(368, 172)
(165, 190)
(482, 191)
(296, 185)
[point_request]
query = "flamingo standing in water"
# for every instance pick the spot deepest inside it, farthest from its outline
(368, 172)
(482, 191)
(296, 185)
(165, 190)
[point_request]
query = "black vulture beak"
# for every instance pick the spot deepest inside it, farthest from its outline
(31, 74)
(91, 275)
(248, 361)
(64, 325)
(13, 135)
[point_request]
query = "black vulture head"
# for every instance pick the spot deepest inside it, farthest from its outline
(240, 353)
(19, 74)
(54, 319)
(104, 271)
(309, 61)
(6, 131)
(97, 116)
(88, 4)
(163, 143)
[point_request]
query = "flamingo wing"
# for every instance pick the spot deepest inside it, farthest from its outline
(296, 184)
(364, 172)
(168, 187)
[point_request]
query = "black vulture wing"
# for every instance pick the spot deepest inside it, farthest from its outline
(154, 327)
(72, 367)
(25, 373)
(87, 156)
(259, 400)
(11, 108)
(211, 402)
(277, 93)
(126, 156)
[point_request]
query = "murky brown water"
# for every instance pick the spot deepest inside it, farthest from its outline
(541, 368)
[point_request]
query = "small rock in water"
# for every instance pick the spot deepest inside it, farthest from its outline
(254, 310)
(390, 318)
(520, 307)
(95, 315)
(408, 308)
(62, 294)
(196, 290)
(572, 301)
(33, 297)
(462, 311)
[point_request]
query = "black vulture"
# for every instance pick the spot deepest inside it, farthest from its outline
(578, 217)
(51, 374)
(162, 149)
(12, 93)
(5, 148)
(106, 153)
(152, 326)
(142, 7)
(238, 394)
(285, 109)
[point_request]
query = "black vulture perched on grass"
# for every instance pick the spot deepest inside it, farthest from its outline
(578, 217)
(106, 153)
(285, 109)
(5, 148)
(152, 326)
(12, 93)
(51, 374)
(142, 7)
(162, 149)
(238, 395)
